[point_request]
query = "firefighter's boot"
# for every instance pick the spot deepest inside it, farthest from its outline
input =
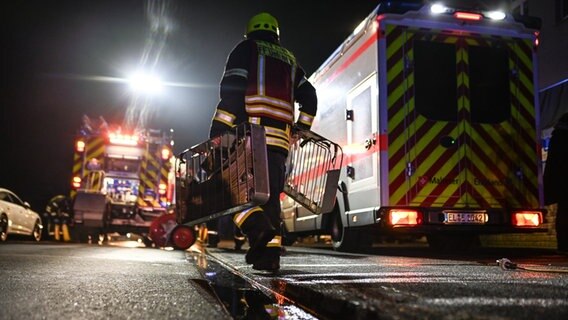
(258, 229)
(57, 232)
(203, 233)
(258, 242)
(239, 239)
(239, 242)
(270, 259)
(65, 231)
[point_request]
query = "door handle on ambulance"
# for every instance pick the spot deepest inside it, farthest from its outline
(370, 142)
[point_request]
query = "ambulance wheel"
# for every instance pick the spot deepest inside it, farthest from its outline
(348, 239)
(182, 237)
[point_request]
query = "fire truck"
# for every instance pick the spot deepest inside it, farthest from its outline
(121, 181)
(436, 111)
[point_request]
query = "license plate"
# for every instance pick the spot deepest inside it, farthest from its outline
(465, 218)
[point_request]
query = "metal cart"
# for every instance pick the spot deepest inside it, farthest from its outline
(229, 173)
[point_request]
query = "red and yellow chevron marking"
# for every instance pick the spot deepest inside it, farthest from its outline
(493, 165)
(94, 148)
(153, 172)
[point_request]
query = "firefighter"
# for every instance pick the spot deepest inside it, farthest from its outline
(555, 176)
(57, 216)
(260, 84)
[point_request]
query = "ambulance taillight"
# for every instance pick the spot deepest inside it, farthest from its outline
(404, 217)
(526, 218)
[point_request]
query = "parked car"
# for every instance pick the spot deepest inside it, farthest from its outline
(17, 217)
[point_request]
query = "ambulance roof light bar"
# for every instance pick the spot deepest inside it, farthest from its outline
(439, 8)
(467, 16)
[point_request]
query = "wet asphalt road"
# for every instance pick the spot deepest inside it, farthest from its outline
(78, 281)
(414, 283)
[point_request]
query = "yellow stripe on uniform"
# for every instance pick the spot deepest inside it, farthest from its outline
(275, 242)
(224, 117)
(241, 217)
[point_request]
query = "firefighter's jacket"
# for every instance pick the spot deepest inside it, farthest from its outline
(261, 82)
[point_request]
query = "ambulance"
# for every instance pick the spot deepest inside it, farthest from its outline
(436, 110)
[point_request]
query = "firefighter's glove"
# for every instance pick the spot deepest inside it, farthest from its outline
(299, 127)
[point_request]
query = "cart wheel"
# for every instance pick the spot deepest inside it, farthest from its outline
(182, 237)
(160, 228)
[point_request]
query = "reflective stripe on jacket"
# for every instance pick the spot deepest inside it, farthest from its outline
(261, 82)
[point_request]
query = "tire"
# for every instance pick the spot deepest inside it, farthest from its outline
(3, 228)
(37, 231)
(80, 234)
(147, 242)
(348, 239)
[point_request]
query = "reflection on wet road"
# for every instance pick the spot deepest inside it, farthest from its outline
(240, 296)
(394, 283)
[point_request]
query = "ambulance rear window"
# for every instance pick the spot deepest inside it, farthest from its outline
(489, 84)
(435, 80)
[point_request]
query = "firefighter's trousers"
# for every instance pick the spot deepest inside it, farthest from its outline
(261, 224)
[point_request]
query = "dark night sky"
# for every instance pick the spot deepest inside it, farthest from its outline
(50, 47)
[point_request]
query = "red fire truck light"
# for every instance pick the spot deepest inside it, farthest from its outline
(165, 153)
(467, 16)
(80, 146)
(123, 139)
(526, 219)
(162, 189)
(76, 182)
(404, 217)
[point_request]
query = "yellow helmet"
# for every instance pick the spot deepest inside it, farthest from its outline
(263, 21)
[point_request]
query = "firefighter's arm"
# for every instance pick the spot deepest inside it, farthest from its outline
(307, 98)
(231, 107)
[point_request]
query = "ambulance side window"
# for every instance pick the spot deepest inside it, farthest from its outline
(435, 80)
(490, 96)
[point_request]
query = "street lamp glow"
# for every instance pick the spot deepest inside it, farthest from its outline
(145, 83)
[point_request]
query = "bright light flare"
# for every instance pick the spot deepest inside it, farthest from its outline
(496, 15)
(145, 83)
(76, 182)
(123, 139)
(162, 189)
(527, 219)
(80, 146)
(438, 8)
(166, 153)
(404, 217)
